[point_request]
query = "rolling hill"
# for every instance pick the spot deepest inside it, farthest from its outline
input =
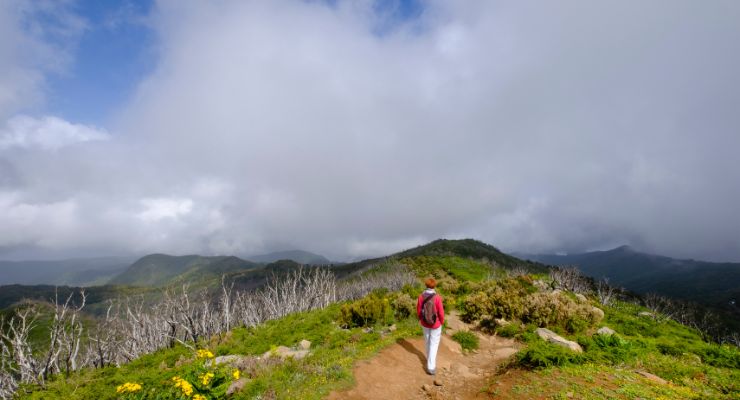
(74, 272)
(299, 256)
(714, 284)
(163, 269)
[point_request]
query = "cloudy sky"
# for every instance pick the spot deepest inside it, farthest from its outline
(356, 128)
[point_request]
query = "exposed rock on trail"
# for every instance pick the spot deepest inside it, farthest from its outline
(398, 372)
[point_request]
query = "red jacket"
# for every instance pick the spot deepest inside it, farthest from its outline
(437, 304)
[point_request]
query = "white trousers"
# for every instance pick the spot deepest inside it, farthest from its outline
(431, 339)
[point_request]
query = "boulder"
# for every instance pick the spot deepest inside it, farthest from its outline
(304, 344)
(230, 359)
(236, 386)
(283, 352)
(605, 330)
(554, 338)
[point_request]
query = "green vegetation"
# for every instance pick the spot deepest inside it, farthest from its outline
(468, 340)
(474, 281)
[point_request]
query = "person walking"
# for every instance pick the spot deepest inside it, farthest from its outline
(431, 315)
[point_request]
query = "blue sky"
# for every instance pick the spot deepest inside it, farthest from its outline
(115, 51)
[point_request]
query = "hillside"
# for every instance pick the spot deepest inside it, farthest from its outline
(299, 256)
(464, 248)
(73, 272)
(713, 284)
(163, 269)
(314, 350)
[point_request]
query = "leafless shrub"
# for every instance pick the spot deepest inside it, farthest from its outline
(518, 270)
(570, 278)
(605, 293)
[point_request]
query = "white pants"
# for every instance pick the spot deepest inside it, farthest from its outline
(431, 339)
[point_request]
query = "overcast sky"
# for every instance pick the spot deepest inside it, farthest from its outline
(358, 128)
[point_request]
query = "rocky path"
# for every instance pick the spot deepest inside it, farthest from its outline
(398, 372)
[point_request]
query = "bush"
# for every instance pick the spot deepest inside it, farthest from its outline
(468, 340)
(540, 354)
(368, 311)
(403, 306)
(516, 299)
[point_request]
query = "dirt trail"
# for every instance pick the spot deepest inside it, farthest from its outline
(398, 371)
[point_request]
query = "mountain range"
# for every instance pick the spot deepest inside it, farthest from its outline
(709, 283)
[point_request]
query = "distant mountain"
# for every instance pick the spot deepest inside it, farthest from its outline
(73, 272)
(467, 248)
(299, 256)
(163, 269)
(704, 282)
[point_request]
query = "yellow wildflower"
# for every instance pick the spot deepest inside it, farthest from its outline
(199, 397)
(203, 353)
(128, 387)
(185, 386)
(236, 374)
(205, 379)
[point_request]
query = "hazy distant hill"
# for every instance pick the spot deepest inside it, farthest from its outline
(163, 269)
(704, 282)
(74, 272)
(299, 256)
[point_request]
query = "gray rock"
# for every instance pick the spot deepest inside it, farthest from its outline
(605, 330)
(230, 359)
(236, 386)
(554, 338)
(283, 352)
(304, 344)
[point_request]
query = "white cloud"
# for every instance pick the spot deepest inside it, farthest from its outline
(533, 126)
(48, 133)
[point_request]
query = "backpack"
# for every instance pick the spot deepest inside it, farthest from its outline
(428, 310)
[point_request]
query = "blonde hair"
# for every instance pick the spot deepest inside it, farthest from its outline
(431, 283)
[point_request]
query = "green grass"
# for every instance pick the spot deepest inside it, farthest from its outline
(468, 340)
(329, 366)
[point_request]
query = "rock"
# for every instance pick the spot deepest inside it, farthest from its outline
(438, 382)
(654, 378)
(305, 344)
(368, 330)
(285, 352)
(426, 387)
(236, 386)
(598, 312)
(605, 330)
(392, 328)
(230, 359)
(501, 322)
(554, 338)
(581, 298)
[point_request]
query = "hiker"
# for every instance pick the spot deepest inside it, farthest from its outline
(431, 317)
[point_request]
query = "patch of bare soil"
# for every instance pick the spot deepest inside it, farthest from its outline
(398, 372)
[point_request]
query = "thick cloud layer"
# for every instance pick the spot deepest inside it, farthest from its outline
(533, 126)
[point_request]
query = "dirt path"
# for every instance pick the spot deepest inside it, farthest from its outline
(397, 372)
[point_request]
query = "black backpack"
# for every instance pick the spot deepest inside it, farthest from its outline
(428, 310)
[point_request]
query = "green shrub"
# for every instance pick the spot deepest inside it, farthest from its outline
(510, 330)
(403, 306)
(468, 340)
(368, 311)
(724, 356)
(540, 354)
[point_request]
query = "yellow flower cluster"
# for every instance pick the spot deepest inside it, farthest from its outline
(205, 379)
(236, 374)
(185, 386)
(199, 397)
(128, 388)
(203, 353)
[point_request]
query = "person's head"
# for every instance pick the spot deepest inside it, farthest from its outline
(431, 283)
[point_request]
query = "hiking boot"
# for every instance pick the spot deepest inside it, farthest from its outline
(432, 371)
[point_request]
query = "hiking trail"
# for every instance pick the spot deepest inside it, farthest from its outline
(398, 371)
